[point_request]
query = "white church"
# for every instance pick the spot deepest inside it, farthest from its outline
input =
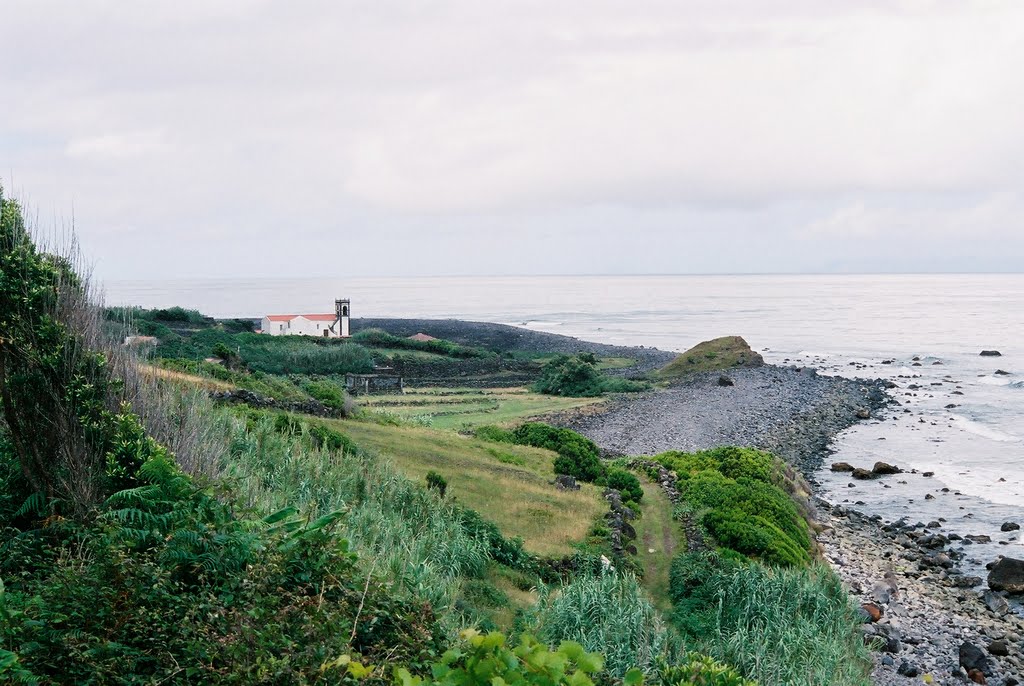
(334, 325)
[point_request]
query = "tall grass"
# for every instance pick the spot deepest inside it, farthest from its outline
(412, 536)
(608, 613)
(776, 625)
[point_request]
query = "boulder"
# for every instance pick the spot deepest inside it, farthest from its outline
(1007, 574)
(973, 658)
(842, 467)
(908, 669)
(862, 474)
(995, 603)
(1000, 648)
(976, 676)
(1001, 372)
(991, 353)
(564, 482)
(1009, 526)
(724, 380)
(863, 413)
(885, 468)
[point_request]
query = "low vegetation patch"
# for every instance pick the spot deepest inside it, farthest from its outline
(717, 354)
(775, 625)
(579, 376)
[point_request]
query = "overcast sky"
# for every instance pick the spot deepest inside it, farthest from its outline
(199, 137)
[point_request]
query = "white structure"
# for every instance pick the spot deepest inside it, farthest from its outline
(326, 325)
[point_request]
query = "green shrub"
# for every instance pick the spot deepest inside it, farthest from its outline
(494, 433)
(731, 461)
(578, 377)
(752, 517)
(326, 438)
(437, 482)
(617, 384)
(776, 625)
(740, 496)
(570, 376)
(328, 392)
(701, 670)
(578, 456)
(626, 483)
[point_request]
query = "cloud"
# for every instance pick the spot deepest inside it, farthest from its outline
(117, 146)
(449, 127)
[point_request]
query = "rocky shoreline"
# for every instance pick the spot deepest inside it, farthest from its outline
(931, 622)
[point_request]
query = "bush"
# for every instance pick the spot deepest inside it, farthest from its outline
(331, 394)
(578, 456)
(578, 377)
(731, 461)
(494, 433)
(750, 516)
(326, 438)
(740, 496)
(437, 482)
(569, 376)
(701, 670)
(775, 625)
(626, 483)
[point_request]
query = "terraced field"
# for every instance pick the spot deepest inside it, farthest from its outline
(466, 408)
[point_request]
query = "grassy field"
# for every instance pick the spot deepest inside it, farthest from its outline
(185, 379)
(658, 539)
(466, 408)
(508, 484)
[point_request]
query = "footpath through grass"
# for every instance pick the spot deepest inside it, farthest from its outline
(467, 408)
(658, 539)
(507, 484)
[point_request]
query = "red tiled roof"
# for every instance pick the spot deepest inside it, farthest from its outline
(310, 317)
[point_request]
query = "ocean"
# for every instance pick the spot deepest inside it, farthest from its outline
(924, 332)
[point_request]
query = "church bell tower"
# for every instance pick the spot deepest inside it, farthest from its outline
(342, 311)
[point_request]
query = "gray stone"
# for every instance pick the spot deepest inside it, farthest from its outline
(1007, 574)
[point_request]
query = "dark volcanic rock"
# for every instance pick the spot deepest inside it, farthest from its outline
(842, 467)
(995, 603)
(724, 380)
(564, 482)
(1007, 574)
(863, 474)
(972, 657)
(1009, 526)
(991, 353)
(862, 413)
(885, 468)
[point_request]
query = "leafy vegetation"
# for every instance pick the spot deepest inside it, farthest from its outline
(609, 614)
(578, 376)
(737, 494)
(578, 456)
(717, 354)
(775, 625)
